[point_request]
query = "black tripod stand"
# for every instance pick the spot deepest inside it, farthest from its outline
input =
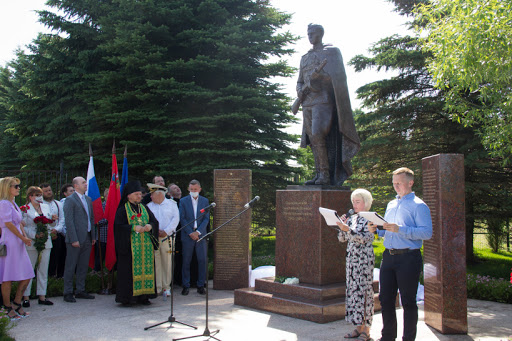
(171, 317)
(206, 236)
(206, 331)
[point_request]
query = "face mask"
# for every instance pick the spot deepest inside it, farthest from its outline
(39, 199)
(194, 194)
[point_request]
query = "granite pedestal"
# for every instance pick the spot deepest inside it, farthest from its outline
(308, 249)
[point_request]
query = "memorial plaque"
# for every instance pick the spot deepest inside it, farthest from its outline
(445, 253)
(306, 247)
(232, 252)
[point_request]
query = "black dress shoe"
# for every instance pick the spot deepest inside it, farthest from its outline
(184, 292)
(26, 304)
(69, 298)
(45, 302)
(84, 295)
(201, 291)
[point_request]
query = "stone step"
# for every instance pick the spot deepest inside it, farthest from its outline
(319, 311)
(301, 290)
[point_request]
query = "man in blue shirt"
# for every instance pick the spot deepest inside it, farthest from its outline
(408, 224)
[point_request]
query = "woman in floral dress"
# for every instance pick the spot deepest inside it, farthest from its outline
(360, 262)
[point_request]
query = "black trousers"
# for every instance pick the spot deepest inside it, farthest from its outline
(399, 272)
(97, 260)
(57, 257)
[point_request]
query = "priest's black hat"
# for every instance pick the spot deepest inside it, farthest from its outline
(129, 188)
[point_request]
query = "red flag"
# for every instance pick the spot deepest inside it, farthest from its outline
(114, 196)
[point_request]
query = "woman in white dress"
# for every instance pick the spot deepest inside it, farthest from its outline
(35, 207)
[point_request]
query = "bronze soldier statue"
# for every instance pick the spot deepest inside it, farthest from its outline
(328, 122)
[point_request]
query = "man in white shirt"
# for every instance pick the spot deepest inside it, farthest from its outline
(56, 209)
(167, 213)
(58, 229)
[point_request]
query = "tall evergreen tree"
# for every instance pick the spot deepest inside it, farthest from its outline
(406, 122)
(185, 84)
(9, 158)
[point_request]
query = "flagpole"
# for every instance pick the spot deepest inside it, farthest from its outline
(103, 291)
(114, 197)
(111, 272)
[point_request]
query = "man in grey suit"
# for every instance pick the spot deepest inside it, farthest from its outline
(80, 237)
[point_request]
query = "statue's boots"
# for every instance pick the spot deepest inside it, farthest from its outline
(322, 164)
(312, 181)
(323, 179)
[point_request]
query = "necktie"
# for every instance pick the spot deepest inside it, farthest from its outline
(84, 202)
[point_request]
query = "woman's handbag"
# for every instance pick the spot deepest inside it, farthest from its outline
(3, 250)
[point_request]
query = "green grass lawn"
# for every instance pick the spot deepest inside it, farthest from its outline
(487, 263)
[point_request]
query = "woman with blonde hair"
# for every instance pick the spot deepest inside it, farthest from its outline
(359, 264)
(15, 265)
(36, 207)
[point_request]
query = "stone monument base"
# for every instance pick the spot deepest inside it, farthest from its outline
(316, 303)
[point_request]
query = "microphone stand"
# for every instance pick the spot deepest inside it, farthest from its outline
(171, 317)
(206, 236)
(213, 231)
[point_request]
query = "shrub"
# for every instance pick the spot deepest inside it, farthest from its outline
(5, 325)
(56, 285)
(496, 233)
(263, 260)
(489, 289)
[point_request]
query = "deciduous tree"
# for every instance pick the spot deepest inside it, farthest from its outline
(471, 59)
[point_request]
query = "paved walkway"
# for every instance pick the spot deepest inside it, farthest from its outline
(103, 319)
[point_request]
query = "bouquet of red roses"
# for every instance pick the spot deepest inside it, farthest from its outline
(41, 235)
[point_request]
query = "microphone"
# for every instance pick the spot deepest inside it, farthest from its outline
(347, 215)
(207, 208)
(252, 202)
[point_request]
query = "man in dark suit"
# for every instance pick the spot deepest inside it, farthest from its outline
(190, 209)
(80, 237)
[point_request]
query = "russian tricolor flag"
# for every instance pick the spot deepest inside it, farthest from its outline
(93, 191)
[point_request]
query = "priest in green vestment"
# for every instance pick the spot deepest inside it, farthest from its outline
(136, 236)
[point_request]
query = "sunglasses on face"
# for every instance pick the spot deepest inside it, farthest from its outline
(18, 186)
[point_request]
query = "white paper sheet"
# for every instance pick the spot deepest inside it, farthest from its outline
(330, 216)
(374, 217)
